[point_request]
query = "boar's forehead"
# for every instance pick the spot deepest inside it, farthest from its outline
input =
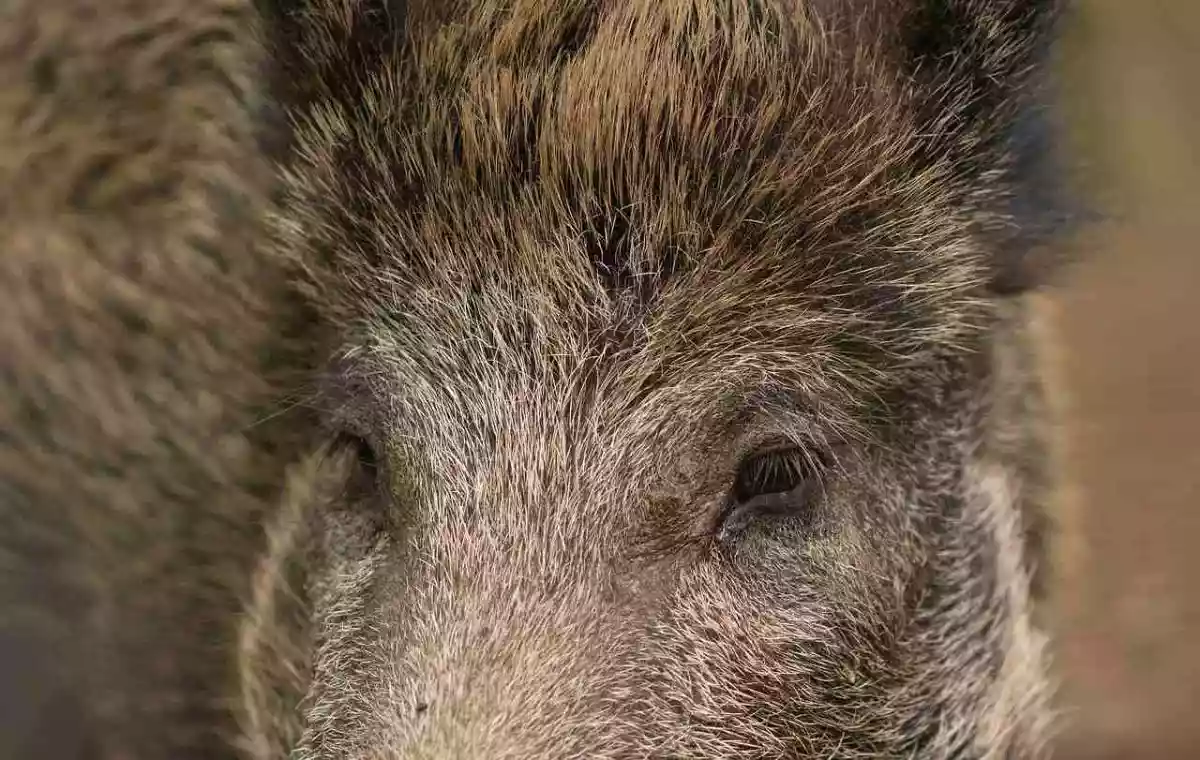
(528, 200)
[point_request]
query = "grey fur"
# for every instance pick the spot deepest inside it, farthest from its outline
(562, 266)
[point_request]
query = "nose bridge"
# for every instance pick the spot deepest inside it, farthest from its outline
(514, 664)
(545, 501)
(530, 564)
(522, 627)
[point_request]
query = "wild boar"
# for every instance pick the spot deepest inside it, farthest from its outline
(530, 379)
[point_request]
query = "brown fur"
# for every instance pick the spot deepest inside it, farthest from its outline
(563, 266)
(133, 331)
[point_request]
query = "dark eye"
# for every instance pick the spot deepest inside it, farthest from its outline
(780, 482)
(771, 472)
(364, 481)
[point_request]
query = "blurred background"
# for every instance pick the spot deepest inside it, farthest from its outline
(1123, 339)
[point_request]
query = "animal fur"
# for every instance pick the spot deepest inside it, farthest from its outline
(377, 375)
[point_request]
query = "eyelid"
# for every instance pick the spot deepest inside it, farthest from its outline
(780, 503)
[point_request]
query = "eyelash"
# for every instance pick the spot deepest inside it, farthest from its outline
(778, 483)
(769, 472)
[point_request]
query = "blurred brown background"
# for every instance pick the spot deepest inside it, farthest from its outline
(1124, 338)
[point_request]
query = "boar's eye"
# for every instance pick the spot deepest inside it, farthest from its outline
(364, 481)
(776, 483)
(774, 471)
